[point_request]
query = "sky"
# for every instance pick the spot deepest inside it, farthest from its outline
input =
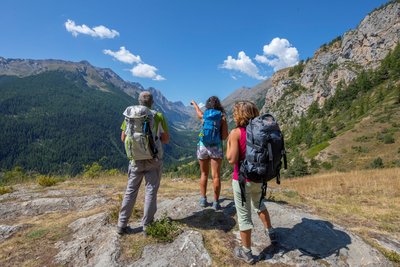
(189, 49)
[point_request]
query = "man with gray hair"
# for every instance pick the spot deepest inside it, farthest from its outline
(149, 167)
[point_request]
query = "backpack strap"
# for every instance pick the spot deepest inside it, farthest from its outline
(284, 153)
(149, 133)
(242, 185)
(263, 192)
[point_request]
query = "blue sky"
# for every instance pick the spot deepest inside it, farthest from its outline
(187, 49)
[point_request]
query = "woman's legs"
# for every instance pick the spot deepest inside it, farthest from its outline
(204, 171)
(215, 171)
(245, 237)
(266, 220)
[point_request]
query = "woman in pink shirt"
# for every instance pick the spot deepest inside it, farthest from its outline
(243, 112)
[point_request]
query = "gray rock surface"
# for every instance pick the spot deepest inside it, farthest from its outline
(306, 240)
(94, 243)
(40, 203)
(7, 231)
(187, 250)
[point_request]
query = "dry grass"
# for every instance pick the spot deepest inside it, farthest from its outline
(367, 202)
(23, 249)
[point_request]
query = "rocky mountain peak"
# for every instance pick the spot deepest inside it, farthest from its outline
(294, 89)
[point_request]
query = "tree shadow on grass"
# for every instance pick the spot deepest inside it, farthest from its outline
(209, 218)
(315, 238)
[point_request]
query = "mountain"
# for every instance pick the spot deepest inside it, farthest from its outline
(57, 116)
(340, 108)
(340, 61)
(255, 94)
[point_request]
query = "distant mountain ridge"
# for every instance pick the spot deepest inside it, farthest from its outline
(97, 78)
(50, 90)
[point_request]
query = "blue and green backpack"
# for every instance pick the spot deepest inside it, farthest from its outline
(210, 134)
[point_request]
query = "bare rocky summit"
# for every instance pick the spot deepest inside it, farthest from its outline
(91, 239)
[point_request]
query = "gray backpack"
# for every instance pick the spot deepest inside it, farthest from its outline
(139, 140)
(265, 150)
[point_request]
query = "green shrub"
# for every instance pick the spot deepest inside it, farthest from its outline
(92, 171)
(6, 190)
(326, 165)
(297, 69)
(385, 137)
(46, 181)
(14, 176)
(298, 167)
(164, 229)
(360, 149)
(376, 163)
(388, 139)
(362, 138)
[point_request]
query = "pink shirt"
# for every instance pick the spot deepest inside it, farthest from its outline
(242, 153)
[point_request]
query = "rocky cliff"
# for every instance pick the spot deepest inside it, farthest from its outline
(294, 89)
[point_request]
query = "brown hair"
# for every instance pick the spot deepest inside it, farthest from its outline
(243, 111)
(213, 102)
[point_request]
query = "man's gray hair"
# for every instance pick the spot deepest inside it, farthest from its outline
(146, 99)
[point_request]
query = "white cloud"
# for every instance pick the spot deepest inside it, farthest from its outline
(143, 70)
(98, 31)
(279, 54)
(123, 55)
(243, 64)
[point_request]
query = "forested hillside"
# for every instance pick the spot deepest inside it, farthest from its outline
(357, 128)
(54, 122)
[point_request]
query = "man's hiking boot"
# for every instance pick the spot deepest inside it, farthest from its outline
(203, 202)
(273, 236)
(245, 256)
(216, 205)
(124, 230)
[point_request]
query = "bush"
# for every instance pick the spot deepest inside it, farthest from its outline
(16, 175)
(298, 167)
(327, 165)
(46, 180)
(164, 229)
(6, 190)
(92, 171)
(385, 137)
(360, 149)
(388, 139)
(376, 163)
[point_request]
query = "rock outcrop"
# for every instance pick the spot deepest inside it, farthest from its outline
(339, 61)
(304, 239)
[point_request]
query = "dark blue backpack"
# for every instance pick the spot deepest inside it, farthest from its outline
(210, 133)
(265, 150)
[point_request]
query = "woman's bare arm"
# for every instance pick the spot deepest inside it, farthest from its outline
(232, 148)
(198, 110)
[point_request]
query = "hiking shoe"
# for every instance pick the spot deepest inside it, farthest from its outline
(273, 236)
(245, 256)
(123, 230)
(203, 202)
(144, 231)
(216, 205)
